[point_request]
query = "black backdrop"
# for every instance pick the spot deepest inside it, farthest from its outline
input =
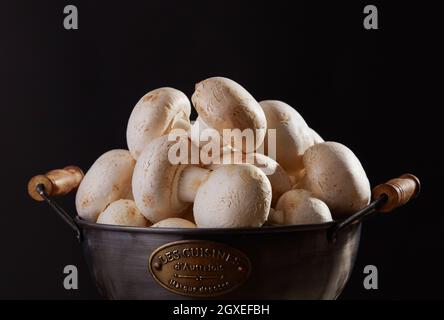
(66, 97)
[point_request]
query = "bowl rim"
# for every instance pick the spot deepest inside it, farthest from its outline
(205, 231)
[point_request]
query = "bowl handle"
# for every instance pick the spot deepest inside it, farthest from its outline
(399, 191)
(386, 198)
(57, 182)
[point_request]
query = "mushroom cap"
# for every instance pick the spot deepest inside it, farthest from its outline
(316, 137)
(293, 136)
(298, 206)
(335, 175)
(124, 213)
(156, 113)
(279, 179)
(233, 196)
(108, 180)
(224, 104)
(174, 223)
(155, 182)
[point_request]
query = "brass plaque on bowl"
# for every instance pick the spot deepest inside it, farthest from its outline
(199, 268)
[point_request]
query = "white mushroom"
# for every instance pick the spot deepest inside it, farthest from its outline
(297, 178)
(156, 114)
(123, 213)
(335, 175)
(174, 223)
(293, 136)
(299, 207)
(316, 137)
(234, 195)
(108, 180)
(279, 179)
(224, 104)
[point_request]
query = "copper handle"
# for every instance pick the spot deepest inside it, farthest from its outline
(56, 182)
(399, 191)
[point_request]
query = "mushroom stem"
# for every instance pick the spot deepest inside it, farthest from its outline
(190, 180)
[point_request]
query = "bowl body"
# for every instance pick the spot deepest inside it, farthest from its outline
(283, 262)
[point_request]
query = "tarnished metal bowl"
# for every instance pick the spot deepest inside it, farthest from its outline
(297, 262)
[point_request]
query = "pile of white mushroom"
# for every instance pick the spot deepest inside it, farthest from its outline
(309, 182)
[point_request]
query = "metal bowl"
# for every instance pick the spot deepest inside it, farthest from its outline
(295, 262)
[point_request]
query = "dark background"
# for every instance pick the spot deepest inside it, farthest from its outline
(66, 97)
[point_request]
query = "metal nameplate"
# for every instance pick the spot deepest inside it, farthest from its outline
(199, 268)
